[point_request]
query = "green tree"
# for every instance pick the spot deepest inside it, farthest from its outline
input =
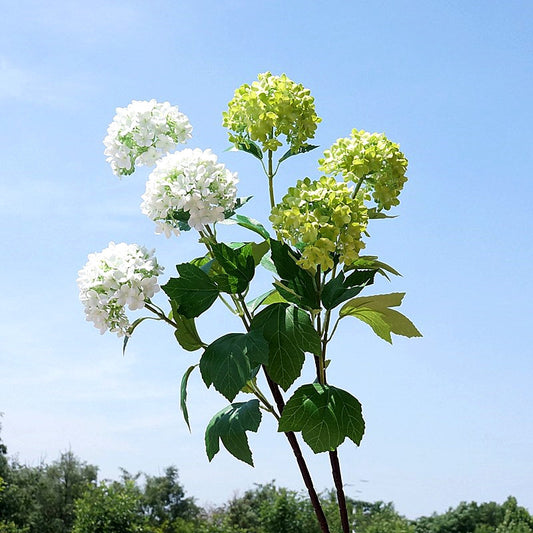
(516, 520)
(164, 501)
(109, 508)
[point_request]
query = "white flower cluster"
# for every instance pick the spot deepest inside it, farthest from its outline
(188, 186)
(142, 132)
(122, 274)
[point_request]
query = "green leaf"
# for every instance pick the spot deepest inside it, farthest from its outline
(270, 297)
(251, 148)
(131, 329)
(373, 213)
(325, 415)
(227, 363)
(259, 250)
(297, 285)
(230, 426)
(302, 150)
(186, 333)
(253, 225)
(375, 311)
(341, 288)
(238, 265)
(193, 292)
(289, 332)
(183, 394)
(370, 262)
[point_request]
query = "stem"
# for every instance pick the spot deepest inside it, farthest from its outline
(271, 180)
(160, 314)
(341, 499)
(358, 186)
(321, 376)
(246, 318)
(302, 465)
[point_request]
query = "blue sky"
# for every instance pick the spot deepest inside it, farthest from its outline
(448, 416)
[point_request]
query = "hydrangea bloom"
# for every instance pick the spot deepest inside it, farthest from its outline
(321, 218)
(188, 186)
(270, 107)
(142, 132)
(122, 274)
(370, 156)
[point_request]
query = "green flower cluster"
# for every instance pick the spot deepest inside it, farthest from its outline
(322, 218)
(270, 107)
(372, 160)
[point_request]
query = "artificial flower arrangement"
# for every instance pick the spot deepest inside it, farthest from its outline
(313, 251)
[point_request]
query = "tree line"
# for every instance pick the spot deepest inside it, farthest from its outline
(65, 496)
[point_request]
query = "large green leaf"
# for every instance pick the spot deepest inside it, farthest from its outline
(227, 363)
(290, 333)
(342, 288)
(183, 394)
(297, 285)
(193, 292)
(375, 311)
(230, 426)
(238, 265)
(325, 415)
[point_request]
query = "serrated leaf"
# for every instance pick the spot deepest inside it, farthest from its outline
(375, 311)
(251, 148)
(302, 150)
(227, 363)
(342, 288)
(230, 425)
(252, 224)
(193, 292)
(131, 329)
(297, 285)
(183, 394)
(325, 415)
(186, 333)
(289, 333)
(238, 265)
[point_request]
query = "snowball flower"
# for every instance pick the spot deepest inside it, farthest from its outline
(188, 187)
(119, 276)
(142, 132)
(323, 219)
(270, 107)
(372, 159)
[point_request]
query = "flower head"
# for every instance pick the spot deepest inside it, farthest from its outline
(372, 159)
(122, 274)
(321, 218)
(142, 132)
(270, 107)
(188, 186)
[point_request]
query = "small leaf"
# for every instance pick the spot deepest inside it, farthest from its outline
(239, 202)
(227, 363)
(230, 425)
(131, 329)
(238, 265)
(341, 288)
(253, 225)
(193, 292)
(375, 311)
(373, 213)
(289, 332)
(270, 297)
(325, 415)
(370, 262)
(302, 150)
(251, 148)
(183, 394)
(297, 285)
(186, 333)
